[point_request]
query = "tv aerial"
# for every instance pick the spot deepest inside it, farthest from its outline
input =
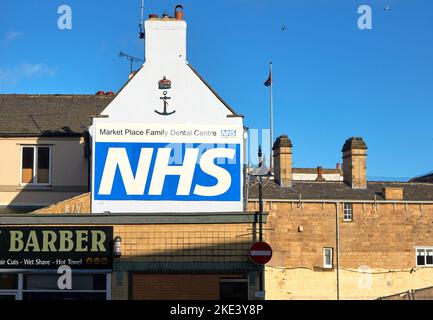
(141, 33)
(131, 59)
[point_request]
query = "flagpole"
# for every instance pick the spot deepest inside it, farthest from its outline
(271, 161)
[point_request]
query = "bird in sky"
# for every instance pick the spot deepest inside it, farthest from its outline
(387, 8)
(283, 28)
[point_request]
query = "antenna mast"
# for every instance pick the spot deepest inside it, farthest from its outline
(130, 58)
(141, 25)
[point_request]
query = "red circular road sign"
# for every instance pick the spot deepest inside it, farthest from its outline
(260, 253)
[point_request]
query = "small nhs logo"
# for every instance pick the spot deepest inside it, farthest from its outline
(147, 172)
(228, 133)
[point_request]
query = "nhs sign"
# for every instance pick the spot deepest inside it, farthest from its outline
(156, 169)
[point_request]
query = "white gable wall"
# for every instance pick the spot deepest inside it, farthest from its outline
(195, 106)
(190, 97)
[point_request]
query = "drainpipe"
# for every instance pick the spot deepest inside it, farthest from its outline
(262, 267)
(87, 154)
(337, 249)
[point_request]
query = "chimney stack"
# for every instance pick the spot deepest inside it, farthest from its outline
(393, 193)
(355, 163)
(283, 161)
(165, 39)
(320, 175)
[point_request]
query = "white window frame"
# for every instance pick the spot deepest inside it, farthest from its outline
(9, 294)
(35, 165)
(326, 265)
(346, 210)
(425, 265)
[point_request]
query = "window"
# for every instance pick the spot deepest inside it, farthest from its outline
(424, 256)
(8, 281)
(327, 258)
(347, 212)
(36, 165)
(43, 286)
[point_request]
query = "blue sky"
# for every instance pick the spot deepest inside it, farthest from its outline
(331, 79)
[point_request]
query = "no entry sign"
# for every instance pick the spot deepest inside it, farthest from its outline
(260, 253)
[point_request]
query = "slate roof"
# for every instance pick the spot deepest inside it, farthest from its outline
(17, 210)
(427, 178)
(341, 191)
(48, 115)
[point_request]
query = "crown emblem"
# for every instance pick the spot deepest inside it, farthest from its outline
(164, 84)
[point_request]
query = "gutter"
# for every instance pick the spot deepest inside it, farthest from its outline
(41, 135)
(129, 219)
(346, 200)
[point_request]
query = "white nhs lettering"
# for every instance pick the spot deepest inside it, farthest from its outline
(136, 185)
(228, 133)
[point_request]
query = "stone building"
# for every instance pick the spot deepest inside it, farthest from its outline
(353, 239)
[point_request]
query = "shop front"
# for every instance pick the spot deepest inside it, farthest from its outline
(55, 263)
(162, 257)
(37, 285)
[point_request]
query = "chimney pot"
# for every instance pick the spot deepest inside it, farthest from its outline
(178, 12)
(165, 40)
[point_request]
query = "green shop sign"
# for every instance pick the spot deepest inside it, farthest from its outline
(52, 247)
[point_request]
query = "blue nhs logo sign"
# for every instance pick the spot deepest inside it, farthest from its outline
(167, 172)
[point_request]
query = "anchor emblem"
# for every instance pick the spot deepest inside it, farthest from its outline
(164, 84)
(165, 98)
